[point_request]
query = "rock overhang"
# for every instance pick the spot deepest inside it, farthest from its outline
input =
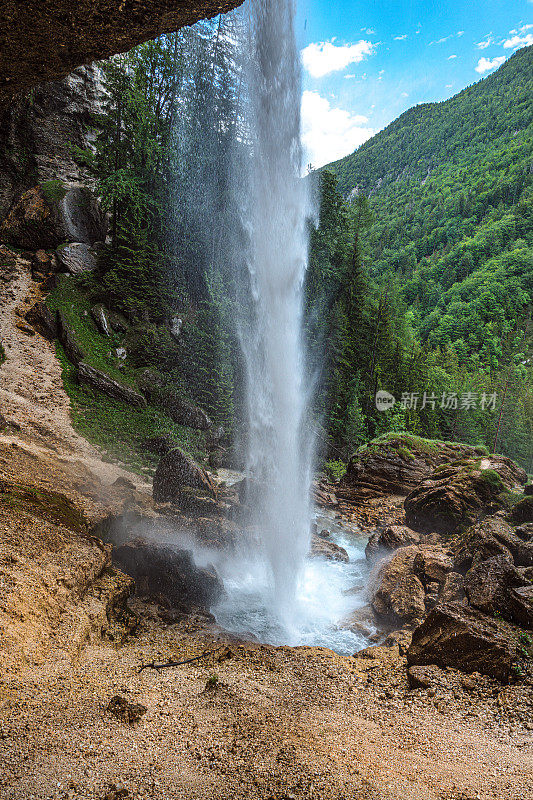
(44, 40)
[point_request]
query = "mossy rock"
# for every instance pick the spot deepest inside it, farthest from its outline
(46, 504)
(151, 344)
(522, 511)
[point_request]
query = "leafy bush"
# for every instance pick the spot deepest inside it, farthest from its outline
(335, 470)
(53, 191)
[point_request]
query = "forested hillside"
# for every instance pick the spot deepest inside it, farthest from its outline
(444, 267)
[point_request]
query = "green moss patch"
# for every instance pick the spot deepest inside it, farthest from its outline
(53, 191)
(52, 506)
(115, 427)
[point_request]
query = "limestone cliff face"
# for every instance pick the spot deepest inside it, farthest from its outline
(37, 134)
(42, 40)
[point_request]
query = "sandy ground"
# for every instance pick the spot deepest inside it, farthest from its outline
(280, 723)
(277, 724)
(31, 389)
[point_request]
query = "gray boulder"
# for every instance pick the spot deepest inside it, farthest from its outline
(76, 258)
(176, 473)
(168, 574)
(99, 315)
(491, 587)
(81, 216)
(186, 414)
(103, 383)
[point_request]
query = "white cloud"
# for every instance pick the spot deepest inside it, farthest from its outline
(405, 94)
(400, 38)
(322, 58)
(329, 133)
(486, 64)
(450, 57)
(448, 86)
(486, 42)
(441, 41)
(371, 31)
(519, 41)
(460, 33)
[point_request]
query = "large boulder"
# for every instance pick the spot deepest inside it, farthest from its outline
(457, 636)
(159, 445)
(67, 338)
(432, 564)
(453, 588)
(494, 536)
(81, 216)
(168, 574)
(103, 383)
(490, 587)
(457, 494)
(399, 595)
(383, 540)
(395, 463)
(43, 320)
(101, 319)
(522, 511)
(176, 473)
(185, 413)
(51, 213)
(76, 258)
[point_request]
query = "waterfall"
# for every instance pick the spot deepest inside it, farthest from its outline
(274, 210)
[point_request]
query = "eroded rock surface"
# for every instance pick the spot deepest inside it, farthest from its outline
(461, 637)
(44, 42)
(395, 464)
(457, 494)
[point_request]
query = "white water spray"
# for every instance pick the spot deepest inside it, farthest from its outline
(275, 209)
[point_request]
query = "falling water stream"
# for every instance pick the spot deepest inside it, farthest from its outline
(275, 210)
(273, 590)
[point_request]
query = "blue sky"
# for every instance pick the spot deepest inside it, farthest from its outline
(364, 63)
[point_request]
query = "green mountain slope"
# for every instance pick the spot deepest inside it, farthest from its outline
(434, 290)
(450, 187)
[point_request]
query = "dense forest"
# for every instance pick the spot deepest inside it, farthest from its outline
(420, 277)
(430, 222)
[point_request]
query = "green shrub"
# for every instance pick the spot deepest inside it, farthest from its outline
(335, 470)
(2, 354)
(53, 191)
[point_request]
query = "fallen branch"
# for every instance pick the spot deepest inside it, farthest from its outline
(170, 663)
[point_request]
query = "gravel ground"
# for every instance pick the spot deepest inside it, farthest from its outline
(252, 721)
